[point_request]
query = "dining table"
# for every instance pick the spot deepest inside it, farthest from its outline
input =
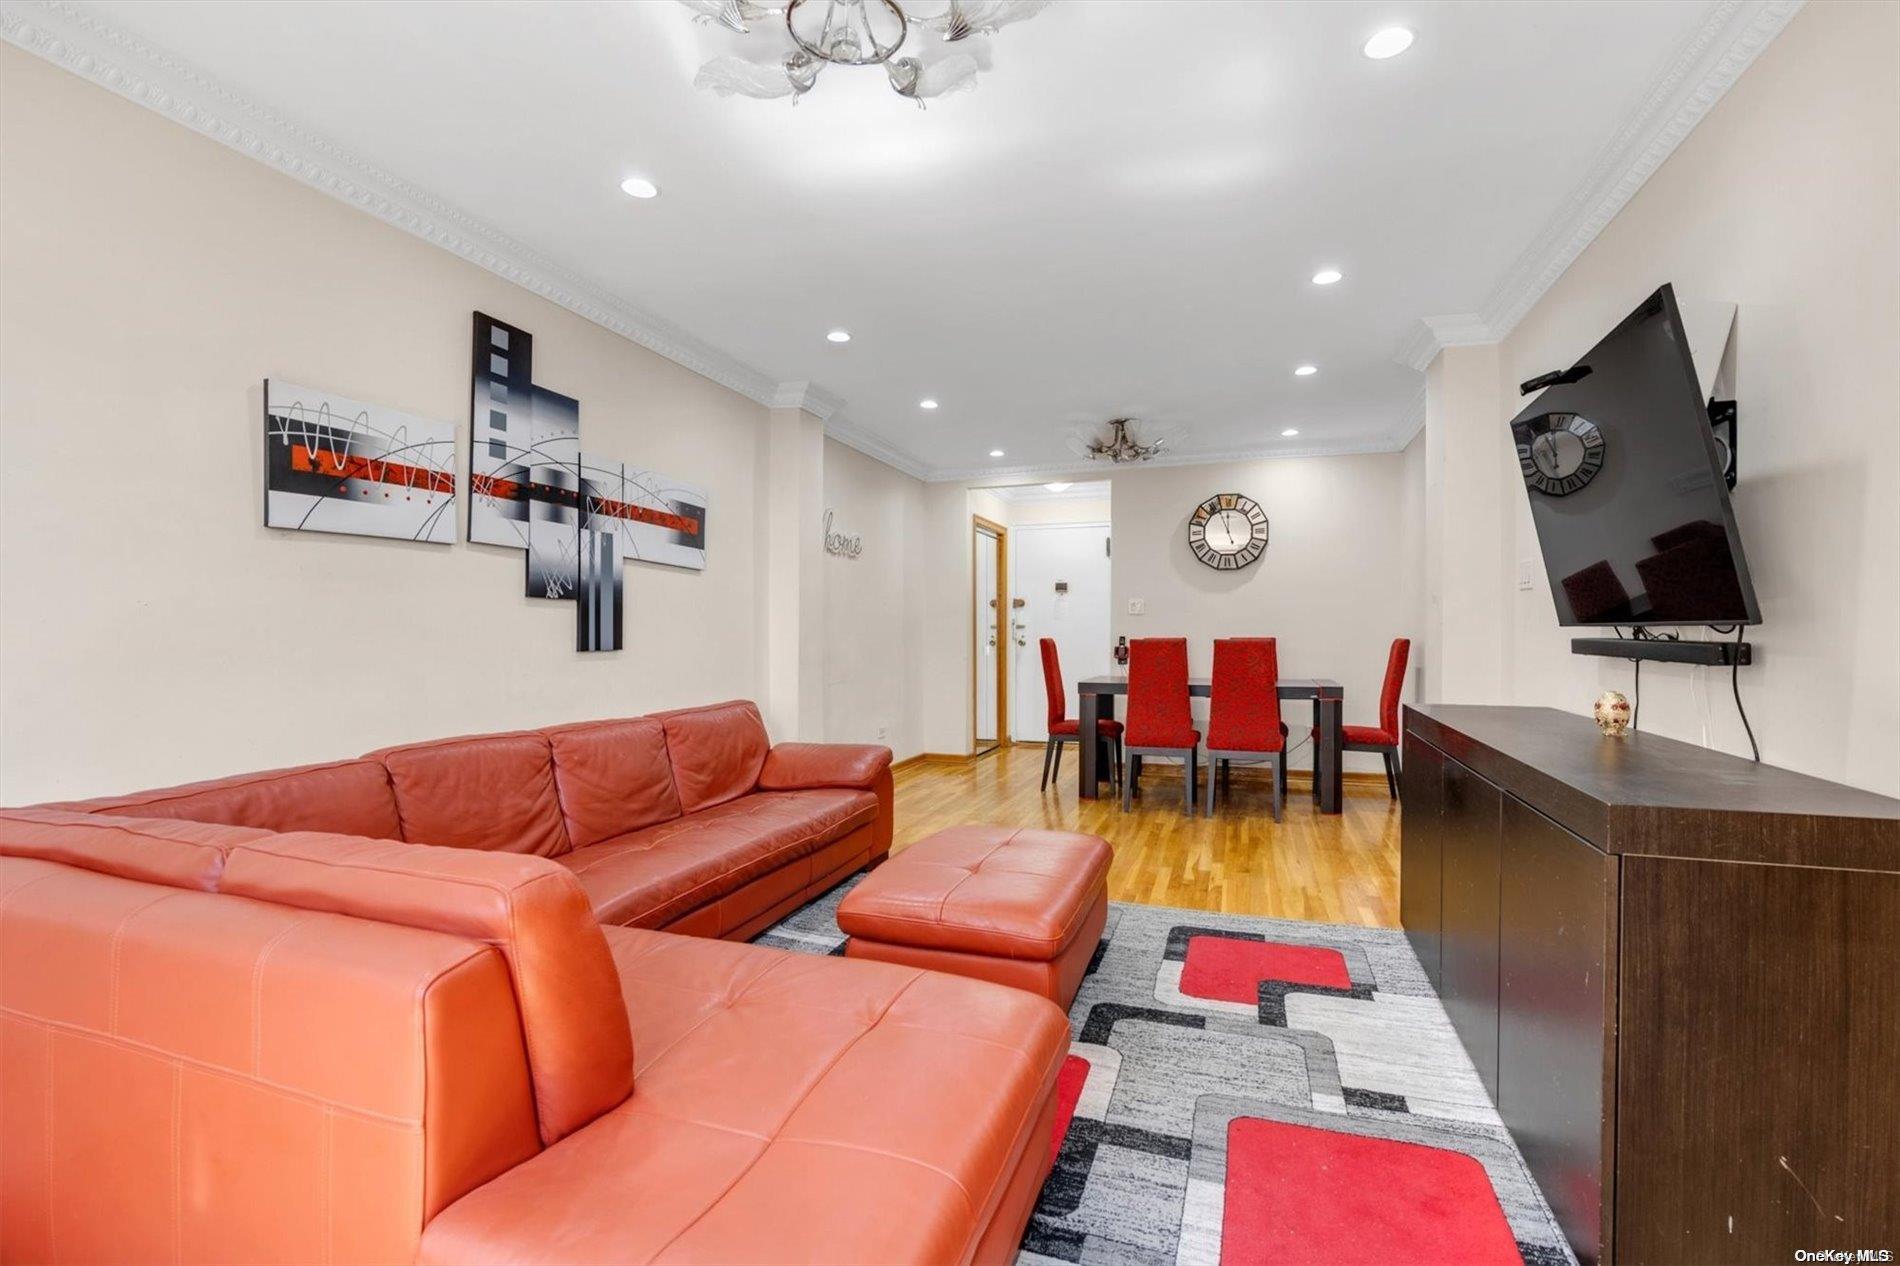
(1327, 696)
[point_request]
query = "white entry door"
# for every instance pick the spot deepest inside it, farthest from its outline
(1061, 575)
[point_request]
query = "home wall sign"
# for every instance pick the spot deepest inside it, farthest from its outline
(576, 516)
(844, 546)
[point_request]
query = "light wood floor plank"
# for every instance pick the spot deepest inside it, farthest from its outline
(1338, 869)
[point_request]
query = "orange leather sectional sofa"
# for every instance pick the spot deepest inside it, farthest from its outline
(274, 1018)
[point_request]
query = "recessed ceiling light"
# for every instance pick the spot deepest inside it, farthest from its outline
(639, 187)
(1058, 487)
(1326, 276)
(1291, 431)
(839, 336)
(926, 404)
(996, 452)
(1306, 371)
(1388, 43)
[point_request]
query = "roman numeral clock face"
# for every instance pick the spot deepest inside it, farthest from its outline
(1558, 452)
(1228, 531)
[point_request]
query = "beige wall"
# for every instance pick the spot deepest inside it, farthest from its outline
(1330, 586)
(1786, 202)
(870, 621)
(153, 629)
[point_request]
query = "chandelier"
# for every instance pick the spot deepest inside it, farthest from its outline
(793, 40)
(1119, 446)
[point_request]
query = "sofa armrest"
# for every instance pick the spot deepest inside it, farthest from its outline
(796, 766)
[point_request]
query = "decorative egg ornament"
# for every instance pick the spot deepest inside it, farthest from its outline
(1612, 712)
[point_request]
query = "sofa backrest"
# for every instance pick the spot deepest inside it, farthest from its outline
(488, 791)
(612, 777)
(716, 752)
(221, 1042)
(349, 797)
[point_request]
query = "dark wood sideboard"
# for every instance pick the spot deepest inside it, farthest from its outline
(1678, 974)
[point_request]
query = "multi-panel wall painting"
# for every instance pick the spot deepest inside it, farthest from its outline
(576, 516)
(333, 464)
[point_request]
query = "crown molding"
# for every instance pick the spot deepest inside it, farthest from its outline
(1080, 468)
(1704, 68)
(810, 397)
(852, 436)
(1411, 422)
(1078, 490)
(77, 41)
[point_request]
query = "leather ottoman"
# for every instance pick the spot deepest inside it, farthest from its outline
(1020, 907)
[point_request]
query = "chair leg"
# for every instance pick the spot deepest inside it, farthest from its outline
(1213, 783)
(1392, 774)
(1055, 773)
(1118, 764)
(1193, 773)
(1130, 772)
(1048, 750)
(1279, 784)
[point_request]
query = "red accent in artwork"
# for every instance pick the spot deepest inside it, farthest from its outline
(1069, 1083)
(1296, 1193)
(373, 469)
(513, 490)
(1231, 970)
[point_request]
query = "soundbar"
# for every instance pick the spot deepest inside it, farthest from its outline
(1722, 653)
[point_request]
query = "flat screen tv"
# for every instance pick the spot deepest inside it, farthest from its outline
(1626, 486)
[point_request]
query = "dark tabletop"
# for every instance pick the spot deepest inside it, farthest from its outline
(1290, 687)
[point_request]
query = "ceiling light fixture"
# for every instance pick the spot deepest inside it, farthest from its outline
(1119, 446)
(1290, 432)
(839, 336)
(796, 39)
(639, 187)
(926, 404)
(1306, 371)
(1058, 487)
(1388, 43)
(996, 452)
(1326, 276)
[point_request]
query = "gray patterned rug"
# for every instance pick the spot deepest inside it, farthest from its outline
(1249, 1090)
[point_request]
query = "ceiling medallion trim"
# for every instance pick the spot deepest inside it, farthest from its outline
(1705, 67)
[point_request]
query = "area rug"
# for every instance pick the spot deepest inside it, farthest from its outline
(1245, 1091)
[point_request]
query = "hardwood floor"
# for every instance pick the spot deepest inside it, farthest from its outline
(1337, 869)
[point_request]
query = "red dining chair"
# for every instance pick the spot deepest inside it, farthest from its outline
(1243, 714)
(1159, 720)
(1382, 738)
(1061, 728)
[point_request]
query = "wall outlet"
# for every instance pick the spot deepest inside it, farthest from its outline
(1526, 574)
(882, 733)
(1137, 606)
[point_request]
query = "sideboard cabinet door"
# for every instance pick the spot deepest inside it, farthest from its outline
(1468, 837)
(1421, 874)
(1557, 978)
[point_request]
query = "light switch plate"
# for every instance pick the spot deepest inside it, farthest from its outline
(1526, 574)
(1137, 606)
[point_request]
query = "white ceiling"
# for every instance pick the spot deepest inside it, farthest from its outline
(1121, 218)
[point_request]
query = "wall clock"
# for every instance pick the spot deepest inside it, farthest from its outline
(1228, 531)
(1559, 452)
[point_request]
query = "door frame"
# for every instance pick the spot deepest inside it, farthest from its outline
(981, 527)
(1015, 541)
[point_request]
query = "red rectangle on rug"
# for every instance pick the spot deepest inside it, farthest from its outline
(1299, 1194)
(1230, 970)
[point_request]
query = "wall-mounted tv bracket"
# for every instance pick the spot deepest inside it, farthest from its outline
(1722, 420)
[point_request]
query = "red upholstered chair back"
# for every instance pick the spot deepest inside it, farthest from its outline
(1052, 683)
(1394, 685)
(1158, 714)
(1244, 704)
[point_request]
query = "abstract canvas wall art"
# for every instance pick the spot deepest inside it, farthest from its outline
(575, 516)
(333, 464)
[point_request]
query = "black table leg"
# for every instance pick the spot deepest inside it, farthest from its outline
(1327, 760)
(1088, 749)
(1104, 750)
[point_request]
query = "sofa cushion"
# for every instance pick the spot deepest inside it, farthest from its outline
(612, 777)
(784, 1107)
(491, 791)
(717, 752)
(349, 797)
(652, 876)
